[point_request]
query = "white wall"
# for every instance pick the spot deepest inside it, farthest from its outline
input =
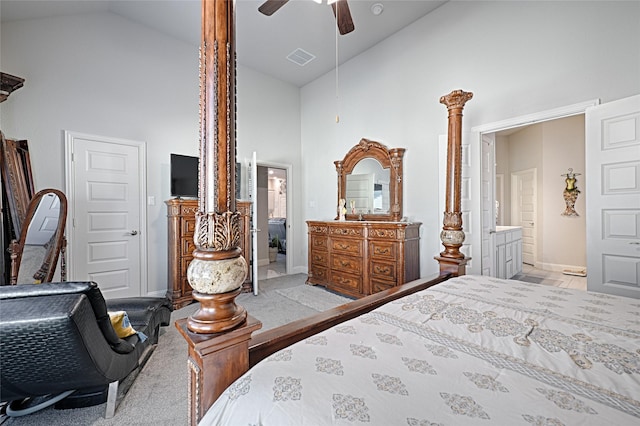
(503, 167)
(104, 75)
(551, 148)
(517, 57)
(564, 240)
(269, 123)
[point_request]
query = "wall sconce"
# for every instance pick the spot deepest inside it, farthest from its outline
(570, 193)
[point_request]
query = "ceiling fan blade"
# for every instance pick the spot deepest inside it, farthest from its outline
(343, 16)
(270, 7)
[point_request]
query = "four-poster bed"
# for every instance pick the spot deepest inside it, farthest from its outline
(445, 349)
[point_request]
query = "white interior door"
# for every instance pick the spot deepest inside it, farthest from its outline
(488, 164)
(613, 197)
(524, 211)
(252, 184)
(107, 212)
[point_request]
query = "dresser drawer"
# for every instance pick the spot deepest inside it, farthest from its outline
(184, 264)
(382, 250)
(188, 226)
(187, 247)
(347, 264)
(378, 286)
(347, 246)
(319, 258)
(383, 270)
(349, 284)
(318, 242)
(186, 287)
(318, 275)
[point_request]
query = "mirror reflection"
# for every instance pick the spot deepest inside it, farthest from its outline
(370, 182)
(35, 255)
(367, 190)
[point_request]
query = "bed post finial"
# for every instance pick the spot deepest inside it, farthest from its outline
(451, 260)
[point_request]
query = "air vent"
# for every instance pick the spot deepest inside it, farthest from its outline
(300, 57)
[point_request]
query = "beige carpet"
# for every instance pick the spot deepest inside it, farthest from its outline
(159, 394)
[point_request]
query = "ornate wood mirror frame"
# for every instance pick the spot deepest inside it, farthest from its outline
(17, 178)
(389, 159)
(47, 211)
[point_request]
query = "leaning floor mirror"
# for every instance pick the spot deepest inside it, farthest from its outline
(34, 256)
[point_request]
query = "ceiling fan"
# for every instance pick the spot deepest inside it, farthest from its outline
(340, 11)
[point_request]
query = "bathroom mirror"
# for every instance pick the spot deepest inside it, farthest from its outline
(370, 182)
(34, 256)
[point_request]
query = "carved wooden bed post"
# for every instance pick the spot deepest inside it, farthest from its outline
(452, 235)
(219, 331)
(217, 270)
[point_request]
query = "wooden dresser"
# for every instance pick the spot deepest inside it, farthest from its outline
(361, 258)
(181, 214)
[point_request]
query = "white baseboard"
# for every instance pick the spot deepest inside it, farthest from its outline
(299, 270)
(263, 262)
(555, 267)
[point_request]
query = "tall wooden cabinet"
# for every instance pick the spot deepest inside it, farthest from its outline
(181, 215)
(358, 258)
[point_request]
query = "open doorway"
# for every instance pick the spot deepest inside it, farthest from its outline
(531, 163)
(273, 218)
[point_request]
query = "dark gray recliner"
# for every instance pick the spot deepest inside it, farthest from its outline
(56, 339)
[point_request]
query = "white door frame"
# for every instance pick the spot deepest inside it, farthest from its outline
(477, 131)
(516, 208)
(288, 229)
(69, 172)
(488, 195)
(500, 193)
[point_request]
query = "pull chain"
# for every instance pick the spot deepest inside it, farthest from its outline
(337, 77)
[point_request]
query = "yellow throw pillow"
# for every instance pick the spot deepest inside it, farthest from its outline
(121, 324)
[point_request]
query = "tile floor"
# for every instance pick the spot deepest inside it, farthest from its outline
(558, 279)
(273, 269)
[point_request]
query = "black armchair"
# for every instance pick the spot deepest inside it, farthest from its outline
(57, 340)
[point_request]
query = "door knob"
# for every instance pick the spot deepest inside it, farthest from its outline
(134, 232)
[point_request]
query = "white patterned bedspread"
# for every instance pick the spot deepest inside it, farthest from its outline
(472, 350)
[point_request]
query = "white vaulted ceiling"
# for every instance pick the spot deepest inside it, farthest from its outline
(262, 42)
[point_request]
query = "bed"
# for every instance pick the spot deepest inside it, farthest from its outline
(470, 350)
(278, 228)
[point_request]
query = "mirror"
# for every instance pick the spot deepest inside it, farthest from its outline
(35, 255)
(370, 181)
(367, 188)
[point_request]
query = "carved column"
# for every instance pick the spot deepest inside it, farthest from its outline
(452, 235)
(217, 270)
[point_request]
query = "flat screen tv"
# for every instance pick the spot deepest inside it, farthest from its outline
(184, 176)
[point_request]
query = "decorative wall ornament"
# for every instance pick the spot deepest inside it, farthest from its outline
(570, 193)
